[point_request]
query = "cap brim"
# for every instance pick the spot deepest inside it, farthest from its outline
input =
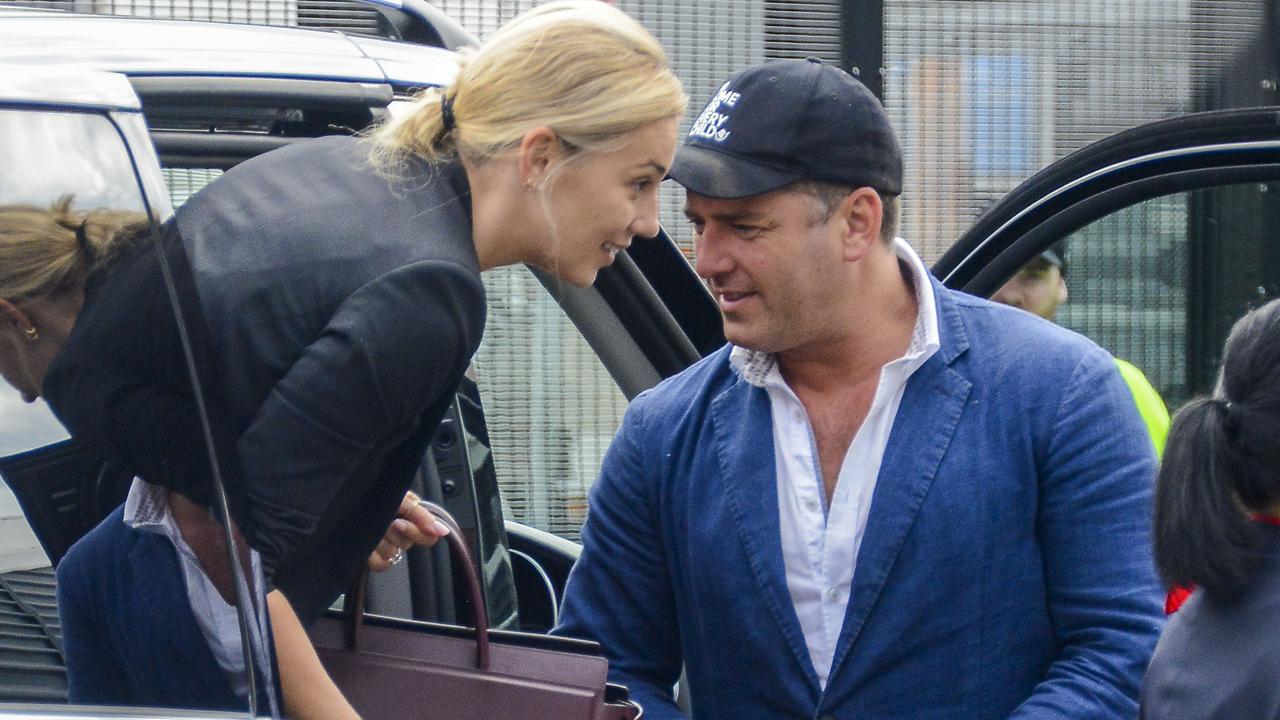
(720, 175)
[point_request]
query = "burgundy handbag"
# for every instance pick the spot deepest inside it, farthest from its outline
(393, 669)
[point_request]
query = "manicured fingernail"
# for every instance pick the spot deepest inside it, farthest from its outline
(441, 528)
(401, 525)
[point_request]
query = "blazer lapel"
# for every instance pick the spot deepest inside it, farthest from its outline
(180, 656)
(743, 430)
(932, 404)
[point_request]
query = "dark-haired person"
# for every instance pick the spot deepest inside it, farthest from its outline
(1217, 527)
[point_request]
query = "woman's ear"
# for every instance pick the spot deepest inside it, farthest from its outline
(14, 315)
(540, 150)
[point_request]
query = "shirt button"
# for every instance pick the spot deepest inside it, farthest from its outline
(811, 504)
(833, 594)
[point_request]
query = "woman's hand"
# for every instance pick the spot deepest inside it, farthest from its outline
(413, 526)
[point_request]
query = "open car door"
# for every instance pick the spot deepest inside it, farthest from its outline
(72, 143)
(1170, 233)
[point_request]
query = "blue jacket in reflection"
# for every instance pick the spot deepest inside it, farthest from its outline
(129, 636)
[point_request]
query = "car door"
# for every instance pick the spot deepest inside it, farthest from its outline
(1170, 230)
(73, 144)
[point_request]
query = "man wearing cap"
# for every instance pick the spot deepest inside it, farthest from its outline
(883, 499)
(1040, 287)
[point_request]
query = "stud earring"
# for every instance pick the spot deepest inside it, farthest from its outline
(32, 333)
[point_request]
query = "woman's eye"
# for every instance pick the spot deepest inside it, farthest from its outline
(641, 185)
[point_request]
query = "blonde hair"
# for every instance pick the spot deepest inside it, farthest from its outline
(47, 251)
(581, 67)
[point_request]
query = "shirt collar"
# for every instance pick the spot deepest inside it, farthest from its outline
(760, 368)
(147, 507)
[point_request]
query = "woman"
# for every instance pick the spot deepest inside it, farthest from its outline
(331, 290)
(1217, 527)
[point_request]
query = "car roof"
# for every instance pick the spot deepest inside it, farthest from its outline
(66, 87)
(140, 46)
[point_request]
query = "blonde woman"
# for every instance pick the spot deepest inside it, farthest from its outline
(333, 299)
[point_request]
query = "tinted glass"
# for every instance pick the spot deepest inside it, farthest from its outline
(1159, 283)
(57, 170)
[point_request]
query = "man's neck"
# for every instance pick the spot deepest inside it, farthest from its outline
(878, 327)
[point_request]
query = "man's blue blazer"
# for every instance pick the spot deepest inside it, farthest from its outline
(1005, 569)
(128, 633)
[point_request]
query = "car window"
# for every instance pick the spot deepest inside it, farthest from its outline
(58, 169)
(1159, 283)
(49, 159)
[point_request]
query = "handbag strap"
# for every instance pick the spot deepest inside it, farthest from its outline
(356, 596)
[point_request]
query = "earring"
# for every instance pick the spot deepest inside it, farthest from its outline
(32, 333)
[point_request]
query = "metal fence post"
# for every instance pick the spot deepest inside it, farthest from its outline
(862, 42)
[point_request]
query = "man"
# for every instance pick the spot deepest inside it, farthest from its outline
(1039, 288)
(883, 499)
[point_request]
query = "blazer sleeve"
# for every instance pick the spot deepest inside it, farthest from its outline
(1094, 528)
(619, 593)
(94, 675)
(390, 349)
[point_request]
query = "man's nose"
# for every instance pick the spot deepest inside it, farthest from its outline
(710, 258)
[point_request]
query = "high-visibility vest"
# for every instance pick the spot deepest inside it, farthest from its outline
(1150, 405)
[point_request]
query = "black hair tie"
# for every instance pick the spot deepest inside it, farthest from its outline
(86, 247)
(446, 114)
(1231, 416)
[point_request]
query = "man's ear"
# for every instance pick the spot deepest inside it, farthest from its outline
(14, 315)
(540, 150)
(860, 215)
(1062, 289)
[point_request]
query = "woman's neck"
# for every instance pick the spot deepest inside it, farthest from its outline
(499, 217)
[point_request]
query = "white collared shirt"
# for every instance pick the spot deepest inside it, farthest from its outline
(820, 544)
(147, 509)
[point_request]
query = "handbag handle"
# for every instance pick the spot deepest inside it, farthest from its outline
(461, 556)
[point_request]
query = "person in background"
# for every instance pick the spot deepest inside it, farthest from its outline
(1217, 529)
(1040, 288)
(331, 295)
(883, 498)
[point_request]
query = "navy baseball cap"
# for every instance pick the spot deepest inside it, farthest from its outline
(787, 120)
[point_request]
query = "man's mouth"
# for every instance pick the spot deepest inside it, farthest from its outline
(732, 300)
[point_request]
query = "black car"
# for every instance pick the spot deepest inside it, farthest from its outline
(1170, 226)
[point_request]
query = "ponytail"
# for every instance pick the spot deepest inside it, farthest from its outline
(422, 131)
(1202, 535)
(47, 251)
(1222, 464)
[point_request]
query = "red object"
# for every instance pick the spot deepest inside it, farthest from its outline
(1175, 598)
(1179, 595)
